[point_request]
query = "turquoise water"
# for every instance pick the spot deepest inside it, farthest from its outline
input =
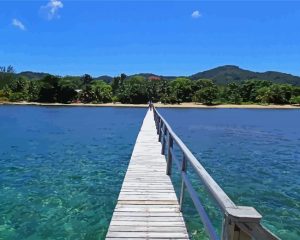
(254, 155)
(61, 169)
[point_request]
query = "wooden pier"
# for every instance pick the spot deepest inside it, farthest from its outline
(147, 206)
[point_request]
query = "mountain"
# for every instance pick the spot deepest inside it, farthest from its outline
(231, 73)
(104, 78)
(220, 75)
(147, 75)
(32, 75)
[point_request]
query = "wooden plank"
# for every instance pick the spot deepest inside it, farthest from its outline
(147, 206)
(148, 234)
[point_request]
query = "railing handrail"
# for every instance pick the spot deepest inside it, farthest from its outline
(215, 190)
(246, 218)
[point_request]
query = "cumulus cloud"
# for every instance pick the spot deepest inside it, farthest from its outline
(196, 14)
(50, 10)
(18, 24)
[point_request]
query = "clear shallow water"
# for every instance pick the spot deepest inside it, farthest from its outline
(254, 155)
(61, 169)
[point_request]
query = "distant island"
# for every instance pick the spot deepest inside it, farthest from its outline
(223, 85)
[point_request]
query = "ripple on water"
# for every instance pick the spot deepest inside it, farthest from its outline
(253, 154)
(61, 169)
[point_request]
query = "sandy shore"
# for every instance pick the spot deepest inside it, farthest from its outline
(159, 105)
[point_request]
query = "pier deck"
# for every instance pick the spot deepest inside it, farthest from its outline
(147, 206)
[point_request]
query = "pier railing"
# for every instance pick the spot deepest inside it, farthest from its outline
(239, 222)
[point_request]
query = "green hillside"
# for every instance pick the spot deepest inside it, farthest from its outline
(229, 73)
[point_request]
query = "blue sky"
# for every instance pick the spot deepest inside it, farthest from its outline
(164, 37)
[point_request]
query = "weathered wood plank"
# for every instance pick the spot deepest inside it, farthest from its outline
(147, 206)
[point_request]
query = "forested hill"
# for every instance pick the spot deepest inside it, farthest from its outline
(220, 75)
(229, 73)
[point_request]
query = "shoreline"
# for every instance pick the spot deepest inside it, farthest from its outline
(158, 105)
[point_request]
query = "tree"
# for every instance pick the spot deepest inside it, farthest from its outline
(280, 93)
(49, 89)
(182, 89)
(206, 95)
(86, 79)
(19, 85)
(232, 93)
(10, 69)
(6, 91)
(33, 91)
(103, 91)
(201, 83)
(123, 77)
(276, 93)
(87, 95)
(249, 89)
(115, 84)
(295, 100)
(264, 95)
(134, 90)
(66, 91)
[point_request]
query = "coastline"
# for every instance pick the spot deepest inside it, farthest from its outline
(158, 105)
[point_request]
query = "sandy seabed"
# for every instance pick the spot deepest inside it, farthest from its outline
(159, 105)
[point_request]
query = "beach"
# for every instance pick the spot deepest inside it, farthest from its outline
(160, 105)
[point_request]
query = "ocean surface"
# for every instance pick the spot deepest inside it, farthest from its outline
(254, 155)
(61, 168)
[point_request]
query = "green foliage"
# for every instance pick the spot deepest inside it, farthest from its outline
(296, 91)
(115, 99)
(134, 90)
(202, 83)
(117, 83)
(18, 85)
(226, 74)
(276, 93)
(33, 91)
(249, 89)
(295, 100)
(3, 97)
(86, 79)
(233, 93)
(17, 97)
(103, 92)
(171, 99)
(54, 89)
(5, 79)
(182, 89)
(49, 89)
(87, 95)
(142, 88)
(280, 94)
(206, 95)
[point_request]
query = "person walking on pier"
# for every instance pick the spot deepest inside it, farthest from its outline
(150, 105)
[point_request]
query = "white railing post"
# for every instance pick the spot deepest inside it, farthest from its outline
(243, 223)
(239, 223)
(160, 125)
(183, 169)
(163, 135)
(169, 160)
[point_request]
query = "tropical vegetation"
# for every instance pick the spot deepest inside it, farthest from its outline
(139, 89)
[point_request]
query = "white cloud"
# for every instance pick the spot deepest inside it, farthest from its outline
(18, 24)
(50, 10)
(196, 14)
